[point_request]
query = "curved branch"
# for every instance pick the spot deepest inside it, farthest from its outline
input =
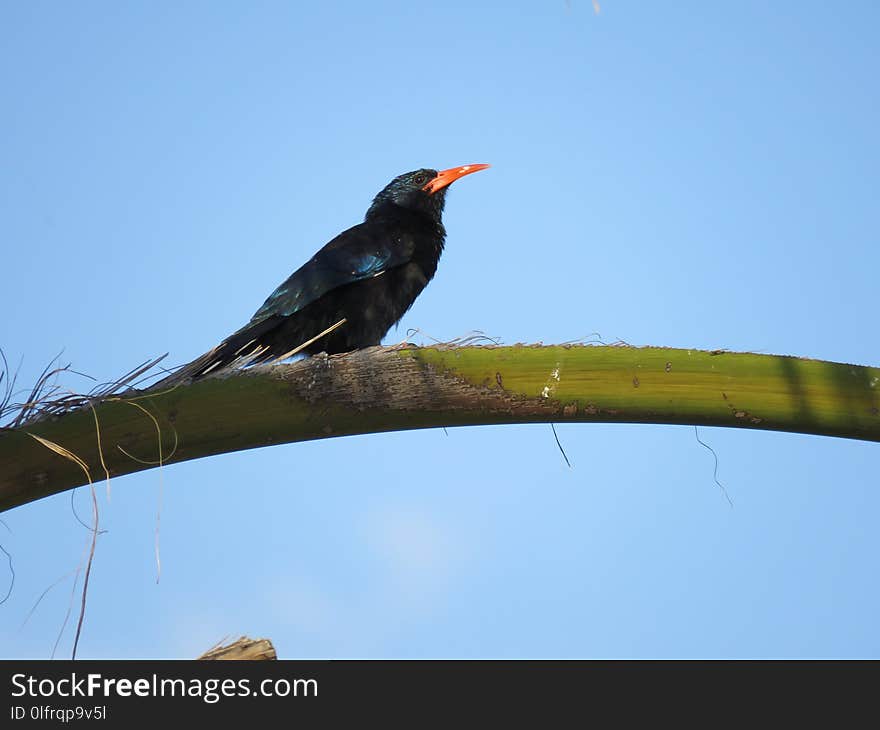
(391, 389)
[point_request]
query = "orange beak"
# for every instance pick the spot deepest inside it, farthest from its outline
(447, 177)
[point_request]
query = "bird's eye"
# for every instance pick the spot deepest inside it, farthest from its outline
(421, 179)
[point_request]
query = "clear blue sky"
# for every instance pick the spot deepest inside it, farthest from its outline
(684, 174)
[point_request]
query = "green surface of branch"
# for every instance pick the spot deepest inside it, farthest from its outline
(391, 389)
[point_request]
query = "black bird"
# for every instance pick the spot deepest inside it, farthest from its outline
(350, 293)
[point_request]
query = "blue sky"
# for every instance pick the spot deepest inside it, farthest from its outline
(682, 174)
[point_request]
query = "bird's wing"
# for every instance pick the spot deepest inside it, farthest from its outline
(356, 254)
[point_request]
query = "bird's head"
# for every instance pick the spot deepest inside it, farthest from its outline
(422, 190)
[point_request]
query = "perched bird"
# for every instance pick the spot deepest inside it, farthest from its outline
(350, 293)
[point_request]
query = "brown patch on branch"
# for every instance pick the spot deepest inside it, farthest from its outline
(363, 379)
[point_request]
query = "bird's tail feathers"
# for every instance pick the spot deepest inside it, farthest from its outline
(240, 348)
(256, 342)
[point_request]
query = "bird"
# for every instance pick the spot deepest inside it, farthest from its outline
(355, 288)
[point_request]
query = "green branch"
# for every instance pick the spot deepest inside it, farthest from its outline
(390, 389)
